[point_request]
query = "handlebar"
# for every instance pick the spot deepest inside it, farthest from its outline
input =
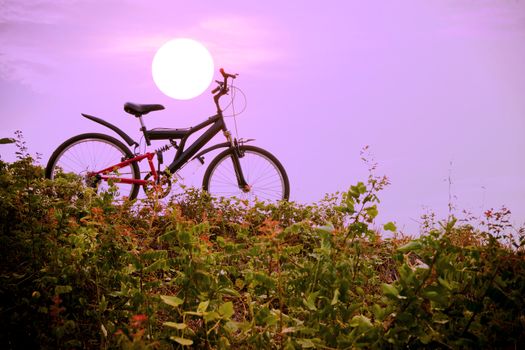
(222, 88)
(227, 75)
(223, 85)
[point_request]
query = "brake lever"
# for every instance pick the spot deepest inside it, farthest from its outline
(218, 88)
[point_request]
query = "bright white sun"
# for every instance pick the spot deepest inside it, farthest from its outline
(182, 69)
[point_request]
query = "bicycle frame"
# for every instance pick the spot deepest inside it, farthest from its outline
(123, 164)
(182, 156)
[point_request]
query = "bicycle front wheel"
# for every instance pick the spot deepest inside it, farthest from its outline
(87, 153)
(266, 178)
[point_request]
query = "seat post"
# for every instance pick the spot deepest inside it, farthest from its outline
(143, 129)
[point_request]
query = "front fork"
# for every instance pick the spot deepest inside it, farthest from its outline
(236, 155)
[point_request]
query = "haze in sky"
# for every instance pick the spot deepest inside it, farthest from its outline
(436, 88)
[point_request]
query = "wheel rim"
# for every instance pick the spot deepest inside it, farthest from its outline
(91, 155)
(260, 172)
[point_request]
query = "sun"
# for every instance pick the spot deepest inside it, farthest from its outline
(182, 68)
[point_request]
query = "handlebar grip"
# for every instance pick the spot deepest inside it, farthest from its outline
(227, 75)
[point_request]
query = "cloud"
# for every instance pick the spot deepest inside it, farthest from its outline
(25, 54)
(35, 11)
(489, 19)
(234, 41)
(42, 40)
(242, 42)
(25, 69)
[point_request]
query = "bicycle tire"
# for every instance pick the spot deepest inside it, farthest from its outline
(92, 152)
(262, 171)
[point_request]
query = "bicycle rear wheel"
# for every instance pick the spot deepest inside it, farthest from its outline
(265, 175)
(93, 152)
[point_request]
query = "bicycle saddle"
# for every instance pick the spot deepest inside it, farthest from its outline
(137, 109)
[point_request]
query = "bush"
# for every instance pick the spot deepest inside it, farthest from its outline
(81, 271)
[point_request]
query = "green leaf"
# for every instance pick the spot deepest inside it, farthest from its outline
(389, 290)
(168, 236)
(172, 300)
(327, 228)
(310, 301)
(232, 326)
(372, 211)
(224, 343)
(360, 321)
(182, 341)
(358, 228)
(226, 310)
(161, 264)
(390, 226)
(379, 312)
(203, 305)
(6, 140)
(335, 299)
(271, 319)
(451, 223)
(425, 338)
(350, 203)
(432, 295)
(410, 246)
(154, 254)
(357, 190)
(444, 283)
(175, 325)
(306, 343)
(103, 304)
(438, 294)
(210, 316)
(63, 289)
(239, 283)
(232, 292)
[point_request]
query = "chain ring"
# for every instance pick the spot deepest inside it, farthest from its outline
(165, 183)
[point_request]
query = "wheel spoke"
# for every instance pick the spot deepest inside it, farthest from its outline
(264, 176)
(90, 153)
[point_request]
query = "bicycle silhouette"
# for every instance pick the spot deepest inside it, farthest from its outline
(240, 170)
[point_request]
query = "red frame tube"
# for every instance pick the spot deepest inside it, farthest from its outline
(103, 173)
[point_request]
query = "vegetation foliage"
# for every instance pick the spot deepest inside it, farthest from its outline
(81, 271)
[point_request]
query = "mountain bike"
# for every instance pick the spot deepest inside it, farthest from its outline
(103, 162)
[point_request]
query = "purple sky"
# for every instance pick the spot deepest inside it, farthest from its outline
(436, 88)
